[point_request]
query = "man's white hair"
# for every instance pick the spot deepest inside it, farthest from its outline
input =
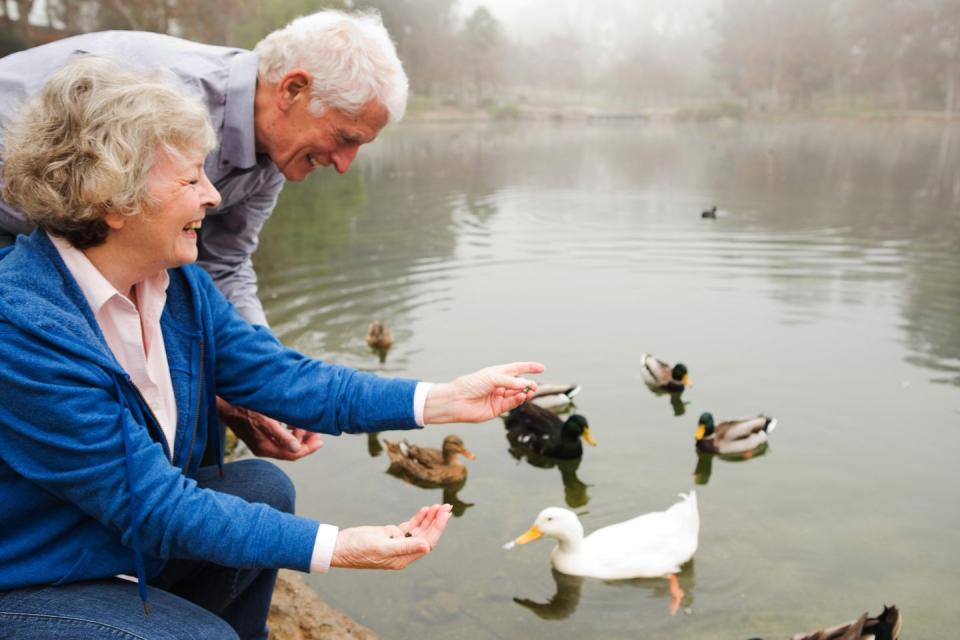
(350, 57)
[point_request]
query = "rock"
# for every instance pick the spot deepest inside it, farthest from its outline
(298, 613)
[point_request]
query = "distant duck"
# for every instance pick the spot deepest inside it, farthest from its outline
(660, 375)
(710, 213)
(885, 626)
(430, 465)
(556, 397)
(652, 545)
(379, 336)
(539, 430)
(733, 436)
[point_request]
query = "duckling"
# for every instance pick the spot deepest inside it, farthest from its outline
(379, 336)
(733, 436)
(710, 213)
(651, 545)
(885, 626)
(540, 431)
(430, 465)
(556, 397)
(660, 375)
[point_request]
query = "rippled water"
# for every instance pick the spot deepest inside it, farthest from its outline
(826, 293)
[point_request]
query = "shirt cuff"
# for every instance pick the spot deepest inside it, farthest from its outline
(323, 548)
(420, 401)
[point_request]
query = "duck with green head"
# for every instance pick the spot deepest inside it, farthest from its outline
(733, 436)
(539, 430)
(660, 375)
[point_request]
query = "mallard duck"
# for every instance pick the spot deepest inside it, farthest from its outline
(886, 626)
(663, 376)
(539, 430)
(556, 397)
(733, 436)
(710, 213)
(652, 545)
(427, 464)
(379, 336)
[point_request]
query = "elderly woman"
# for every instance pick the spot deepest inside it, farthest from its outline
(115, 349)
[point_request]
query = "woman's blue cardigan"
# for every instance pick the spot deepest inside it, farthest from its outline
(87, 489)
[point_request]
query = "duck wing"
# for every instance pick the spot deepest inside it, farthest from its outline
(533, 419)
(886, 626)
(537, 429)
(650, 545)
(426, 456)
(655, 372)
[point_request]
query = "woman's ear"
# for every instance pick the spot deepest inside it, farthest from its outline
(114, 220)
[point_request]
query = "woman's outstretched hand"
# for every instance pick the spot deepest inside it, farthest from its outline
(391, 546)
(482, 395)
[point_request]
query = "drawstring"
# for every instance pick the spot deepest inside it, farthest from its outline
(134, 509)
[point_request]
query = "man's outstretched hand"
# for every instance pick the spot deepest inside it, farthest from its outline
(266, 437)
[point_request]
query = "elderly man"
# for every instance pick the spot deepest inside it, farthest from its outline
(309, 95)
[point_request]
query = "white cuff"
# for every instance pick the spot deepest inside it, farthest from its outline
(323, 548)
(420, 400)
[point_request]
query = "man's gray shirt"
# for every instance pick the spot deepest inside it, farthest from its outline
(225, 79)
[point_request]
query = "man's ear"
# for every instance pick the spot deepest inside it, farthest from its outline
(294, 86)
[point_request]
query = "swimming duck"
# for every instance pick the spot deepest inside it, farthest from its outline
(652, 545)
(427, 464)
(733, 436)
(663, 376)
(710, 213)
(556, 397)
(532, 427)
(379, 339)
(885, 626)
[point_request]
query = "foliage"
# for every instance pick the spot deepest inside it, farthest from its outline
(769, 54)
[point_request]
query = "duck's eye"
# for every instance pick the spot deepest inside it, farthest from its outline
(549, 518)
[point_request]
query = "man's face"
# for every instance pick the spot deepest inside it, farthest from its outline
(301, 141)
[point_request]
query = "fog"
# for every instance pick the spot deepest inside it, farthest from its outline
(701, 58)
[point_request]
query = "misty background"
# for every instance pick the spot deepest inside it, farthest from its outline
(699, 59)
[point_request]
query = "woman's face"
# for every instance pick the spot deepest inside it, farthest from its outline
(164, 234)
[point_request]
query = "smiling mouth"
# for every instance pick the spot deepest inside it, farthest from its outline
(193, 226)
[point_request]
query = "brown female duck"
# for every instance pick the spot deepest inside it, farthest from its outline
(379, 335)
(439, 466)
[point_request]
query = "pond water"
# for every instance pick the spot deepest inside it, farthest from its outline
(826, 294)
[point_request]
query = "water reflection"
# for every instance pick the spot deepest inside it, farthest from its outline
(374, 446)
(564, 602)
(574, 489)
(701, 474)
(450, 491)
(566, 598)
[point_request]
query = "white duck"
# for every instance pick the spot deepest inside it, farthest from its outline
(649, 546)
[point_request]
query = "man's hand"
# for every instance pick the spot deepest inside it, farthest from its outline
(265, 436)
(391, 546)
(482, 395)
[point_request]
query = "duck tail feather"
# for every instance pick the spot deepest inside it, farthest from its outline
(771, 425)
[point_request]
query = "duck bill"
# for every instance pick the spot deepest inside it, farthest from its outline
(687, 382)
(701, 431)
(589, 439)
(529, 536)
(466, 454)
